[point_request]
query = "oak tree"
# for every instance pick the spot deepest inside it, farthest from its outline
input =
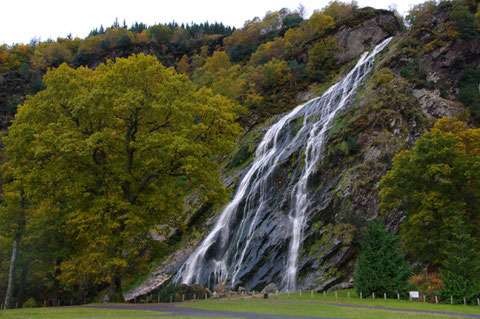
(111, 152)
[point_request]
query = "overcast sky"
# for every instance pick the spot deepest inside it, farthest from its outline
(22, 20)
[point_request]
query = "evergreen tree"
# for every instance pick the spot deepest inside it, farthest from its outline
(461, 267)
(380, 266)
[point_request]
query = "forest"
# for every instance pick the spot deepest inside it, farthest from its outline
(115, 147)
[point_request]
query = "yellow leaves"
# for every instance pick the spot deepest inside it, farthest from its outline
(318, 24)
(109, 152)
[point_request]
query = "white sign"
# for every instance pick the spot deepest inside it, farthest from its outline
(414, 294)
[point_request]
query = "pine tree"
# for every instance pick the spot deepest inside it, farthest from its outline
(461, 267)
(380, 266)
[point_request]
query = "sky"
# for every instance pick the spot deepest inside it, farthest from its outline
(23, 20)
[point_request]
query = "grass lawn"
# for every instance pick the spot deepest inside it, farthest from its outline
(319, 310)
(71, 312)
(379, 302)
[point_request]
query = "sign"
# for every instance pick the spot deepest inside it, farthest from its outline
(414, 294)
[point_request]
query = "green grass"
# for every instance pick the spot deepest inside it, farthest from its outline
(379, 301)
(319, 310)
(72, 312)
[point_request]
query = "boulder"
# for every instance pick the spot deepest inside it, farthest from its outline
(270, 289)
(222, 289)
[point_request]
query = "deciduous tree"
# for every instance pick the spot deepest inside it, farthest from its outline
(435, 181)
(112, 150)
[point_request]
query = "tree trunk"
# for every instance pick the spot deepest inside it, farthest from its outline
(15, 248)
(11, 272)
(21, 286)
(115, 293)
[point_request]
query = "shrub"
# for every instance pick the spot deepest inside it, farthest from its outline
(466, 22)
(469, 89)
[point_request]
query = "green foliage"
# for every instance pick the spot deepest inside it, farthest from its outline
(461, 267)
(380, 267)
(292, 21)
(99, 153)
(352, 145)
(438, 179)
(124, 41)
(241, 156)
(170, 290)
(339, 10)
(466, 22)
(322, 58)
(411, 70)
(160, 33)
(469, 86)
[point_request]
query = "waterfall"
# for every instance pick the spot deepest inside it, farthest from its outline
(254, 240)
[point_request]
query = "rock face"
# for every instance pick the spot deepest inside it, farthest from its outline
(149, 286)
(389, 114)
(356, 39)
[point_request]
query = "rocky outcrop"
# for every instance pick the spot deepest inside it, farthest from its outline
(367, 28)
(391, 112)
(147, 287)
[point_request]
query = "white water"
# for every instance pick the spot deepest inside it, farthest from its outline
(223, 252)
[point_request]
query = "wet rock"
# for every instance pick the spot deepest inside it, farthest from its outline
(270, 289)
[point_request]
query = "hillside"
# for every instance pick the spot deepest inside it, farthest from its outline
(428, 70)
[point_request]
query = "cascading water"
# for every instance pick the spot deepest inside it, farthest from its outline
(257, 237)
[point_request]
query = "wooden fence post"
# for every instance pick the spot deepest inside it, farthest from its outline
(451, 300)
(311, 294)
(384, 296)
(360, 295)
(336, 295)
(373, 295)
(398, 296)
(436, 299)
(348, 295)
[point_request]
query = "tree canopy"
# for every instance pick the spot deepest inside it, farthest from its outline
(434, 182)
(111, 151)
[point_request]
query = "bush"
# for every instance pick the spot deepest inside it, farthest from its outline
(352, 144)
(469, 89)
(171, 290)
(30, 303)
(466, 22)
(380, 267)
(241, 156)
(124, 41)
